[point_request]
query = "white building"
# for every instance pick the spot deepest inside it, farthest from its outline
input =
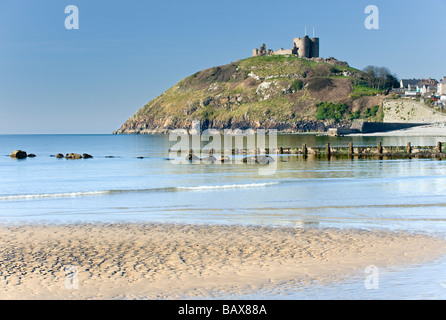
(410, 93)
(441, 88)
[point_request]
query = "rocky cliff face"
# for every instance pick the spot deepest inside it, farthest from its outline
(270, 92)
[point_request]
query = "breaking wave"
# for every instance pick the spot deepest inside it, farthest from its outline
(229, 186)
(108, 192)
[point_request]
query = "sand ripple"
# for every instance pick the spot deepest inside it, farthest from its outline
(132, 261)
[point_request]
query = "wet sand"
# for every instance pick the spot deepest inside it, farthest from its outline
(172, 261)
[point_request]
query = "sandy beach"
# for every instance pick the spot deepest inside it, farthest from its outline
(171, 261)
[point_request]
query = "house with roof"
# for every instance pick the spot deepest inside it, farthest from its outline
(409, 84)
(425, 89)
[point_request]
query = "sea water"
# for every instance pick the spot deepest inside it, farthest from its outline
(131, 179)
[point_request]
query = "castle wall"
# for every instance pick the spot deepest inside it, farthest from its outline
(283, 52)
(298, 44)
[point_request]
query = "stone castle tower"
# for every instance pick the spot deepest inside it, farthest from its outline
(302, 47)
(308, 48)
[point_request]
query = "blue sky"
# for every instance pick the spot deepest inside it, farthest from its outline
(125, 53)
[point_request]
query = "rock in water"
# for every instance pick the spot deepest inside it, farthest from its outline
(224, 159)
(249, 159)
(262, 159)
(59, 155)
(18, 154)
(73, 156)
(87, 156)
(210, 159)
(192, 157)
(31, 155)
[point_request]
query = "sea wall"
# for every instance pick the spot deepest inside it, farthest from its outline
(410, 111)
(369, 127)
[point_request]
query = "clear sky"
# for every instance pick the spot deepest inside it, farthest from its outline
(125, 53)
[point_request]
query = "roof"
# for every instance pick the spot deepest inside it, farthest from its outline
(406, 82)
(430, 86)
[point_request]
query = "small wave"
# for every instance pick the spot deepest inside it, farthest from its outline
(52, 195)
(229, 186)
(120, 191)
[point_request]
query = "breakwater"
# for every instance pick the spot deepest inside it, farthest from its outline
(379, 150)
(408, 151)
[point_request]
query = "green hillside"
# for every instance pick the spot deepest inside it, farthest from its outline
(287, 93)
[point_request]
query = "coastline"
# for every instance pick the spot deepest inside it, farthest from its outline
(175, 261)
(428, 130)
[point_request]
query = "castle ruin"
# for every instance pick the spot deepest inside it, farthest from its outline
(302, 47)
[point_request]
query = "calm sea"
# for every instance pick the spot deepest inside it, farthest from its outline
(117, 185)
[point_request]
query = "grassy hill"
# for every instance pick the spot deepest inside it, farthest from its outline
(287, 93)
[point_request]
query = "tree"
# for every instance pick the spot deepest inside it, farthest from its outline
(380, 78)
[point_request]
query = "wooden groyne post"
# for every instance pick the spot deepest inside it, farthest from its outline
(380, 148)
(439, 146)
(409, 148)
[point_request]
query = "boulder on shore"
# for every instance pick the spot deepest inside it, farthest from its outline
(18, 154)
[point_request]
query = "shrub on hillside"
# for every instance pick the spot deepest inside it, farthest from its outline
(330, 110)
(371, 112)
(297, 85)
